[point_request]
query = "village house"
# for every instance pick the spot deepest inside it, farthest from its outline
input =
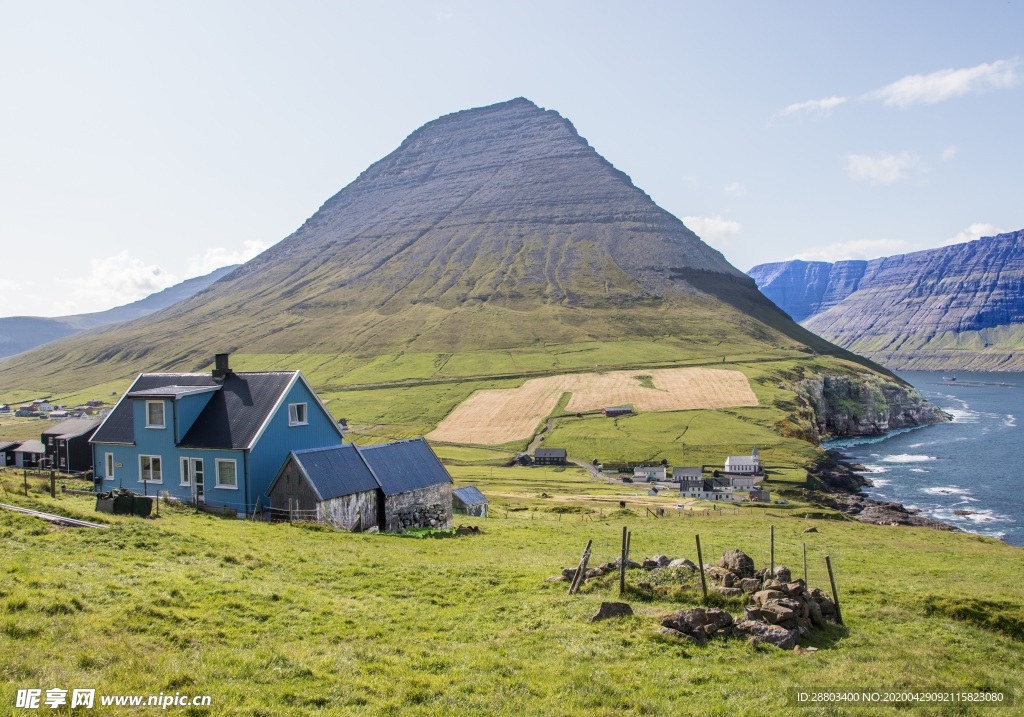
(714, 489)
(29, 454)
(42, 404)
(390, 486)
(7, 452)
(650, 473)
(687, 474)
(214, 438)
(67, 444)
(550, 457)
(749, 465)
(468, 500)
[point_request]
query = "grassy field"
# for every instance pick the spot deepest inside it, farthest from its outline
(282, 619)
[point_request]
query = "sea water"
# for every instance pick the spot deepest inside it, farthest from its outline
(969, 472)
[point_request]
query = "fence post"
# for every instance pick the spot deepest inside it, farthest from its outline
(622, 562)
(53, 484)
(772, 558)
(700, 566)
(835, 593)
(805, 564)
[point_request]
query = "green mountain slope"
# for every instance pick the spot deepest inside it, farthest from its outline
(497, 228)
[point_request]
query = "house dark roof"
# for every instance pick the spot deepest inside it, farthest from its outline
(231, 419)
(8, 445)
(335, 471)
(404, 466)
(469, 495)
(72, 428)
(695, 471)
(172, 391)
(30, 446)
(550, 453)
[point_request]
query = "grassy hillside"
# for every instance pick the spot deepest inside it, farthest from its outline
(280, 619)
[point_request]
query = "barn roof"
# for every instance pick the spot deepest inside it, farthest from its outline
(469, 495)
(8, 445)
(404, 466)
(335, 471)
(550, 453)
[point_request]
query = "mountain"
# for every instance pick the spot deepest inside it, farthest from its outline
(491, 228)
(957, 307)
(21, 333)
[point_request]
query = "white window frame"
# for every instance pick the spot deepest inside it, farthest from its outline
(108, 465)
(294, 419)
(142, 474)
(185, 467)
(217, 464)
(163, 414)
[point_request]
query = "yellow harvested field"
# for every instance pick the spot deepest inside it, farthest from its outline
(496, 416)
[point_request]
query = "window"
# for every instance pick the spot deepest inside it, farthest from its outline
(296, 414)
(186, 475)
(109, 464)
(226, 475)
(154, 414)
(150, 469)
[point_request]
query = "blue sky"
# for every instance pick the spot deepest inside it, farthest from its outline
(142, 143)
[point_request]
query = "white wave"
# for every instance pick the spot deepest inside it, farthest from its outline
(963, 415)
(919, 470)
(908, 458)
(978, 516)
(868, 468)
(1010, 420)
(946, 490)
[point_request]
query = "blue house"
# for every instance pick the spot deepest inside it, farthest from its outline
(213, 438)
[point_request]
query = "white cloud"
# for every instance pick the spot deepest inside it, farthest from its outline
(735, 188)
(947, 84)
(881, 169)
(974, 231)
(217, 257)
(111, 281)
(949, 152)
(715, 231)
(857, 249)
(820, 108)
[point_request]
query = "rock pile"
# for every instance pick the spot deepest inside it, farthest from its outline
(780, 612)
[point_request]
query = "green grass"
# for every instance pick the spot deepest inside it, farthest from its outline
(280, 619)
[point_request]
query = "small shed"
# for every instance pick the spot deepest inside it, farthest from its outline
(29, 454)
(467, 500)
(417, 489)
(67, 444)
(550, 457)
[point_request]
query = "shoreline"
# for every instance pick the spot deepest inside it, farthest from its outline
(840, 487)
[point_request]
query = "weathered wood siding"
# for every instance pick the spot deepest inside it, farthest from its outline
(357, 511)
(429, 507)
(292, 485)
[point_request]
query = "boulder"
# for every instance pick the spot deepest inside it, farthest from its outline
(555, 579)
(611, 609)
(783, 574)
(775, 613)
(812, 529)
(738, 562)
(592, 573)
(663, 561)
(680, 636)
(568, 574)
(630, 564)
(683, 563)
(771, 634)
(763, 596)
(719, 574)
(774, 585)
(750, 585)
(649, 564)
(794, 589)
(828, 608)
(717, 619)
(727, 592)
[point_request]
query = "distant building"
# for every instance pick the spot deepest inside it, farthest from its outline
(749, 465)
(713, 489)
(650, 473)
(687, 474)
(616, 410)
(29, 454)
(67, 444)
(7, 452)
(760, 495)
(467, 500)
(550, 457)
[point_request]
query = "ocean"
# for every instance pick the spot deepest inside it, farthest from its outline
(968, 473)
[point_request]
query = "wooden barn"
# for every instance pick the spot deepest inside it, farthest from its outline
(393, 486)
(468, 500)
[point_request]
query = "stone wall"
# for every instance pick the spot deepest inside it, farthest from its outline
(429, 507)
(355, 512)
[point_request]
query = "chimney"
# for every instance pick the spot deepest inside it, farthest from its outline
(221, 369)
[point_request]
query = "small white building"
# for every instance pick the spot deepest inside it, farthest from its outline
(650, 473)
(710, 492)
(687, 474)
(748, 465)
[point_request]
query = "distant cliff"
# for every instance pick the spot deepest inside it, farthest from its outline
(21, 333)
(958, 307)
